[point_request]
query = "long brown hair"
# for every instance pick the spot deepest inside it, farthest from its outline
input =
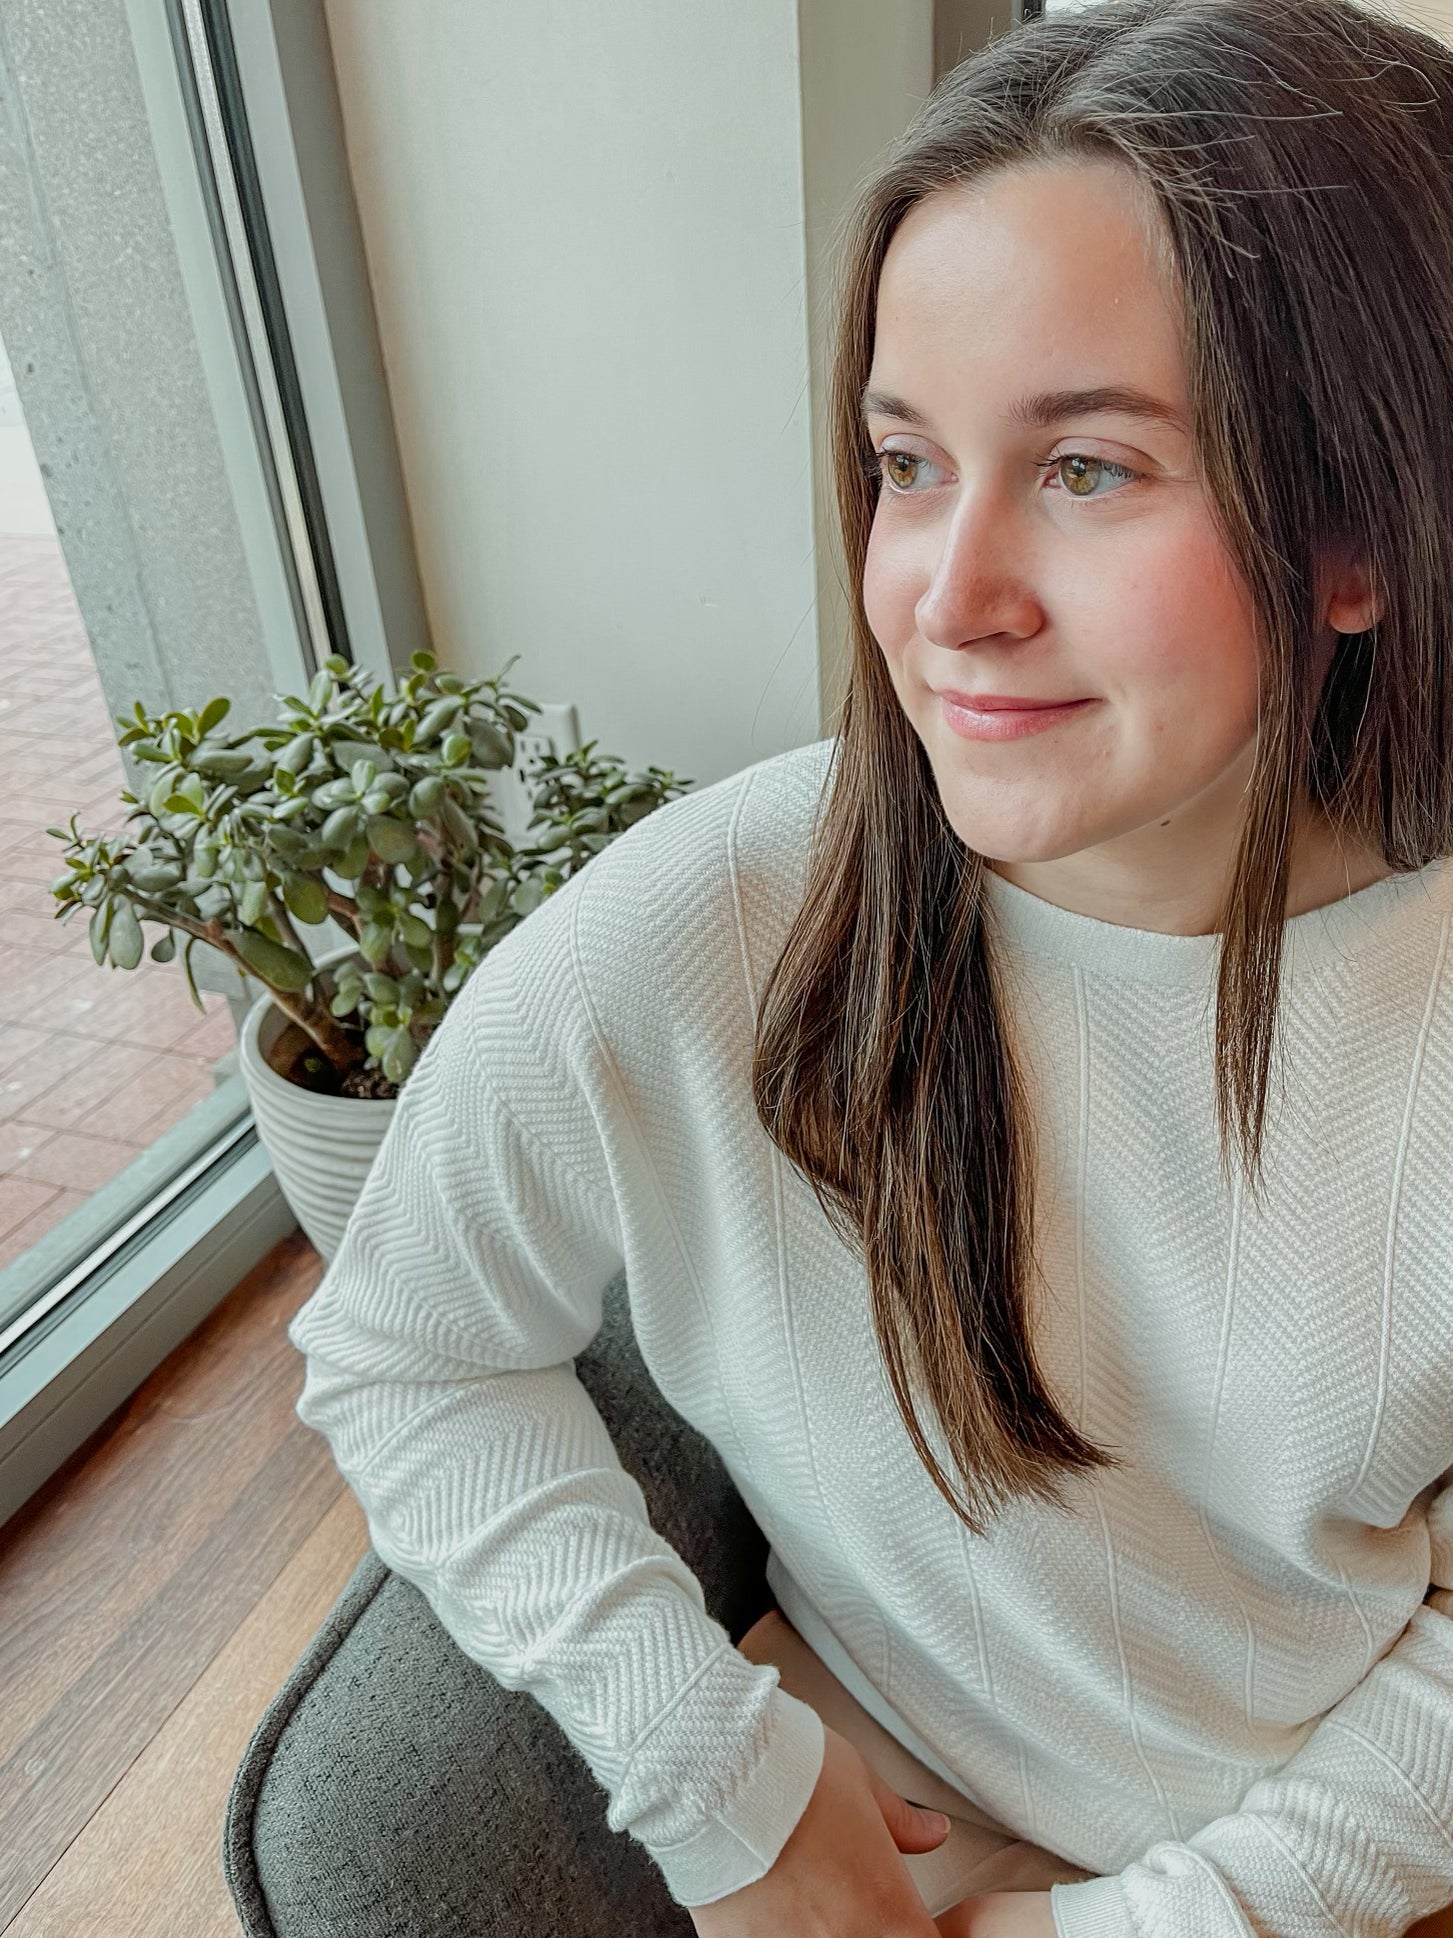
(1297, 157)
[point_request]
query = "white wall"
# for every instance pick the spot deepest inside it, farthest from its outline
(959, 26)
(1433, 16)
(589, 235)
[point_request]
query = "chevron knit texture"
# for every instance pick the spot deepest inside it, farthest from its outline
(1222, 1680)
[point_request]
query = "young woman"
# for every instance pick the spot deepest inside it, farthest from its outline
(1095, 1396)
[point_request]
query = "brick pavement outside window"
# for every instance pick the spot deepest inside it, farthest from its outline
(94, 1062)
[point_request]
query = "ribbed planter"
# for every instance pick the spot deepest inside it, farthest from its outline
(321, 1147)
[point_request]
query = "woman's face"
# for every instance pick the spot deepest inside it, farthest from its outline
(1058, 550)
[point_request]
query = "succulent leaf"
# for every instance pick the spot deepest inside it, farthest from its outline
(390, 840)
(100, 922)
(305, 896)
(125, 940)
(398, 1057)
(491, 747)
(191, 943)
(342, 827)
(296, 755)
(353, 863)
(426, 796)
(374, 942)
(275, 962)
(221, 763)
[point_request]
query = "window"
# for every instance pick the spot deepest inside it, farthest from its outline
(189, 368)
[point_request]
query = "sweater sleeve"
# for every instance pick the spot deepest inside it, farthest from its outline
(439, 1347)
(1354, 1833)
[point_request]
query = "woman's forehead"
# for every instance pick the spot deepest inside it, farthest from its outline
(1028, 280)
(1014, 229)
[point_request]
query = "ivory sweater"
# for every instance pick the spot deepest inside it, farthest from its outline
(1224, 1682)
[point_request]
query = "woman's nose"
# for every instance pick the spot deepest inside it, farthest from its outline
(978, 582)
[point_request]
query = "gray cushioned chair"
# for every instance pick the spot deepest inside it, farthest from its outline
(394, 1789)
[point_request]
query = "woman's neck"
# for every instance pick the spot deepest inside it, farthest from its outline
(1324, 868)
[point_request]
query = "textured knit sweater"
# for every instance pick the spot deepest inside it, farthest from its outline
(1223, 1682)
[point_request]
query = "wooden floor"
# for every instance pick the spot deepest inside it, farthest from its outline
(154, 1595)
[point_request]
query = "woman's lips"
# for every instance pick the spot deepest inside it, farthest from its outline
(1002, 702)
(1007, 723)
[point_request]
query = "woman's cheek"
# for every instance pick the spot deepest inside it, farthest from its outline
(889, 597)
(1195, 642)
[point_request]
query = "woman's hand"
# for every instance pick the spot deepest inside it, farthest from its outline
(840, 1870)
(999, 1914)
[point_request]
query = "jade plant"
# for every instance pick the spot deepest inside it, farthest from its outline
(368, 807)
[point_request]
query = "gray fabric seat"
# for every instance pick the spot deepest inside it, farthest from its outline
(394, 1789)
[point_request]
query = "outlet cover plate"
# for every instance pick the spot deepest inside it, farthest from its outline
(553, 729)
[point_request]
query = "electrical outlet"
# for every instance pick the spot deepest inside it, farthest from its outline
(551, 730)
(530, 748)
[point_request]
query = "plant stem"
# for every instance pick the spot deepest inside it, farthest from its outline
(342, 911)
(343, 1051)
(205, 931)
(323, 982)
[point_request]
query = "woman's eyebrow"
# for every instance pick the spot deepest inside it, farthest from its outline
(1043, 408)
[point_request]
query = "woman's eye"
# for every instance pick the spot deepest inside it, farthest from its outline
(900, 469)
(1088, 471)
(1079, 472)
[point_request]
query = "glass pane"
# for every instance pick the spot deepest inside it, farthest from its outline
(95, 1063)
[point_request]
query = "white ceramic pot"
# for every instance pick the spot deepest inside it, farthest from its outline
(321, 1147)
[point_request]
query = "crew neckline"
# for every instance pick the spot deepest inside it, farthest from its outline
(1314, 938)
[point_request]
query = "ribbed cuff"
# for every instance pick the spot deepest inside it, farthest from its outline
(737, 1848)
(1095, 1907)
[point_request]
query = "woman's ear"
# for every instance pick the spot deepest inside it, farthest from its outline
(1351, 604)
